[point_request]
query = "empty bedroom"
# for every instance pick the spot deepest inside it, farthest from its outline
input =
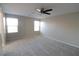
(39, 29)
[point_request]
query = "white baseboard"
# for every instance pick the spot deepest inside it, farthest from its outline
(70, 44)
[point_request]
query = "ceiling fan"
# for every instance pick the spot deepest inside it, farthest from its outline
(44, 11)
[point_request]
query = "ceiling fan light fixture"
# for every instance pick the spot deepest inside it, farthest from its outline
(38, 10)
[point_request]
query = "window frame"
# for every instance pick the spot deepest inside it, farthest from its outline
(38, 27)
(12, 25)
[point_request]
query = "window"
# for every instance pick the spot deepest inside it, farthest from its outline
(36, 25)
(12, 25)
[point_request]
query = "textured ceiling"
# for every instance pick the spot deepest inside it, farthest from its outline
(29, 9)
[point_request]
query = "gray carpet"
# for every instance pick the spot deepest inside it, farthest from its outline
(39, 46)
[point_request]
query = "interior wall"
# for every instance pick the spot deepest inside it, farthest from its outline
(25, 27)
(29, 27)
(63, 28)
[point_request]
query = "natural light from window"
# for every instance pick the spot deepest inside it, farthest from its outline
(36, 25)
(12, 25)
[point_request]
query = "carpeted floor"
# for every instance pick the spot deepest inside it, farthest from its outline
(39, 46)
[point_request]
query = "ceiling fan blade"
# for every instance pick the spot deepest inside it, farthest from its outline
(47, 13)
(48, 10)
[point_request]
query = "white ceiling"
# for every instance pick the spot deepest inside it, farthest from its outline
(29, 9)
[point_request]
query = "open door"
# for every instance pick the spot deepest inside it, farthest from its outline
(2, 32)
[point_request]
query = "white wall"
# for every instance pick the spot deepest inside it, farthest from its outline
(63, 28)
(29, 27)
(25, 28)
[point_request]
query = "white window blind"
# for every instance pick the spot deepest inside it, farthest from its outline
(36, 25)
(12, 25)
